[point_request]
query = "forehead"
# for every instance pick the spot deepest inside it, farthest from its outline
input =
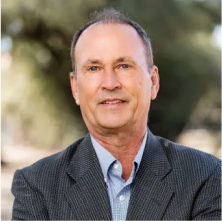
(106, 41)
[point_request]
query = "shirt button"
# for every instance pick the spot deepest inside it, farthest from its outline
(122, 198)
(116, 166)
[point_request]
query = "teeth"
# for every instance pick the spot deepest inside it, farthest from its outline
(112, 102)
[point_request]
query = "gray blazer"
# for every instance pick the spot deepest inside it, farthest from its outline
(172, 183)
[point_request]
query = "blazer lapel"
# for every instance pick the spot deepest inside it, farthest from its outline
(88, 194)
(150, 195)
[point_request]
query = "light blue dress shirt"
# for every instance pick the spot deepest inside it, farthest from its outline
(118, 189)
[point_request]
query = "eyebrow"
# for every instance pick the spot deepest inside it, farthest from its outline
(122, 59)
(91, 61)
(126, 59)
(97, 61)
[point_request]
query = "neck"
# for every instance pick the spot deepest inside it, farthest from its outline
(124, 146)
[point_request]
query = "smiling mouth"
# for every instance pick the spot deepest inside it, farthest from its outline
(113, 102)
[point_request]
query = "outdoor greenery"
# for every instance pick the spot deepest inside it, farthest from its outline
(37, 104)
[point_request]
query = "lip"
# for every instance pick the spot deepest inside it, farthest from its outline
(112, 99)
(115, 105)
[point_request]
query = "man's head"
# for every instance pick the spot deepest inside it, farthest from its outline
(112, 16)
(114, 78)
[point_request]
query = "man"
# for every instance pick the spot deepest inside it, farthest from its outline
(120, 170)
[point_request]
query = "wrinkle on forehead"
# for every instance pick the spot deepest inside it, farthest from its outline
(95, 31)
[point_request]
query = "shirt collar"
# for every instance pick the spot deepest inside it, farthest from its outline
(139, 155)
(106, 158)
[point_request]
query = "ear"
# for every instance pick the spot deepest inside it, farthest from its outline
(155, 82)
(74, 87)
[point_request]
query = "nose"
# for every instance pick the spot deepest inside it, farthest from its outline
(110, 80)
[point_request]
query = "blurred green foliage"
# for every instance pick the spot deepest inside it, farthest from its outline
(36, 88)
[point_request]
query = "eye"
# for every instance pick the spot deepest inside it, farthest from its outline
(94, 68)
(125, 66)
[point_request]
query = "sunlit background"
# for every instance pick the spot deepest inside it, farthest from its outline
(39, 115)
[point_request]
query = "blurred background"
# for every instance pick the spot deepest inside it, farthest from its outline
(39, 115)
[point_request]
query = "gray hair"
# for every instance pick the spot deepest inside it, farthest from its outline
(112, 16)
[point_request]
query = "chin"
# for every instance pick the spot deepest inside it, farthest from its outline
(113, 124)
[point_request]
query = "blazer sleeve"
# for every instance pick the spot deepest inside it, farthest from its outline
(29, 203)
(207, 205)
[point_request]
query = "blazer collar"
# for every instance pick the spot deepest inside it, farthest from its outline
(88, 194)
(150, 195)
(83, 159)
(154, 157)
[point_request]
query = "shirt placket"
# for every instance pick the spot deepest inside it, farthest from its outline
(120, 191)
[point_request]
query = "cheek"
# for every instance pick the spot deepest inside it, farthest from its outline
(145, 84)
(144, 91)
(87, 88)
(138, 85)
(142, 85)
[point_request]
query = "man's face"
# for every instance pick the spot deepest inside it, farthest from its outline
(113, 86)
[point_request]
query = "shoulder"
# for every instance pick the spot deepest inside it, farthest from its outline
(189, 160)
(50, 166)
